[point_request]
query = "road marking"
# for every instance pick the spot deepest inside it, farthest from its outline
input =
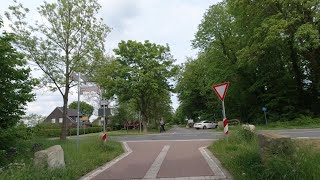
(187, 178)
(213, 166)
(155, 167)
(306, 138)
(97, 171)
(173, 140)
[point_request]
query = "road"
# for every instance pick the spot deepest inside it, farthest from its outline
(175, 133)
(179, 153)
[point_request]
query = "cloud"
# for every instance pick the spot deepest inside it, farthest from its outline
(172, 21)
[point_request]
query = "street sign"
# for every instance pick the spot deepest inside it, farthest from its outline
(264, 109)
(104, 103)
(88, 89)
(221, 90)
(101, 112)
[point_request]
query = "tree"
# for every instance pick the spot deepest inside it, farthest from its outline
(15, 82)
(140, 72)
(269, 55)
(85, 108)
(31, 120)
(69, 40)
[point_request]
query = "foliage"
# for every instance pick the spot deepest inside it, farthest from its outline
(140, 73)
(69, 40)
(299, 122)
(16, 84)
(55, 132)
(241, 157)
(31, 120)
(91, 154)
(272, 61)
(85, 108)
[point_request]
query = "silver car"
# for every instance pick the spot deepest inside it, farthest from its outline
(205, 125)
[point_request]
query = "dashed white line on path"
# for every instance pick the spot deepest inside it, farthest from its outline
(155, 167)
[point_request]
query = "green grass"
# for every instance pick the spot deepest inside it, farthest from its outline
(240, 155)
(91, 154)
(297, 123)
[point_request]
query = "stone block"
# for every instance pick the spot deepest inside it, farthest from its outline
(52, 157)
(249, 127)
(271, 144)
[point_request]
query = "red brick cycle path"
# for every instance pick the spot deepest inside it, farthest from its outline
(163, 160)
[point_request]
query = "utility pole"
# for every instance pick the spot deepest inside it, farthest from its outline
(78, 118)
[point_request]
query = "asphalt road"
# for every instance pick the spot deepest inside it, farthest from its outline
(175, 133)
(178, 133)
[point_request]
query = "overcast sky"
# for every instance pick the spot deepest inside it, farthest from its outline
(161, 21)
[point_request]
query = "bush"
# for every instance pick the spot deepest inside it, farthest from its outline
(241, 157)
(43, 132)
(246, 134)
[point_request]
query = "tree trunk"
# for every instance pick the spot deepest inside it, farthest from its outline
(144, 123)
(64, 127)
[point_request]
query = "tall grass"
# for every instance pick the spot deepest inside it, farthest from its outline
(91, 154)
(299, 122)
(240, 155)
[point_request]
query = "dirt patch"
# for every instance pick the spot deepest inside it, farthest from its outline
(315, 143)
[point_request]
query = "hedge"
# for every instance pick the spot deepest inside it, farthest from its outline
(72, 131)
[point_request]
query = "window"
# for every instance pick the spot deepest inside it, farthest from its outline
(53, 120)
(60, 120)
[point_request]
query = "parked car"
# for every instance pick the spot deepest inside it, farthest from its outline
(205, 125)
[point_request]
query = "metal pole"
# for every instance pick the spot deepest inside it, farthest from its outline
(104, 118)
(265, 117)
(223, 110)
(78, 119)
(140, 121)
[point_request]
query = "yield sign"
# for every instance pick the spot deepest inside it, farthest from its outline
(221, 90)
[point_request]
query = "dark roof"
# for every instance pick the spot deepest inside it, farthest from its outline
(71, 112)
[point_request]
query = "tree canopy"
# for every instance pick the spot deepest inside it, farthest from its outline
(269, 51)
(140, 72)
(69, 40)
(85, 108)
(15, 82)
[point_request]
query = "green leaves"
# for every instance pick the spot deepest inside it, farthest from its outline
(267, 50)
(85, 108)
(70, 38)
(15, 83)
(139, 72)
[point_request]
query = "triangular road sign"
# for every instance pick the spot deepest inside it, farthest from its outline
(221, 90)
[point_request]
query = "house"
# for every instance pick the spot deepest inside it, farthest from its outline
(56, 116)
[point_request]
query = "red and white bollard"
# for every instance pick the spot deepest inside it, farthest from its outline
(225, 126)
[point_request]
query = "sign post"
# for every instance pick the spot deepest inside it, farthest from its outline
(221, 90)
(264, 109)
(104, 103)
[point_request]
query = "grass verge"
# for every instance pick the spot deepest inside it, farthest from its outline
(91, 154)
(240, 155)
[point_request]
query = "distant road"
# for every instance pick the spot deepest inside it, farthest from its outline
(178, 133)
(175, 133)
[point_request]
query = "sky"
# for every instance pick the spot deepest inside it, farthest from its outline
(172, 22)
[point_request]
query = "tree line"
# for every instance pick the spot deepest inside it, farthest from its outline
(269, 51)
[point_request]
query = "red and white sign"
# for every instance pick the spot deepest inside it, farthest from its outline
(221, 90)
